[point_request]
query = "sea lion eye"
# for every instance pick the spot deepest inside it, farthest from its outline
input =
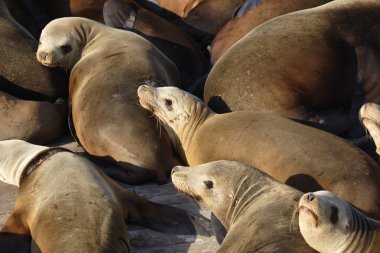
(334, 215)
(66, 49)
(208, 184)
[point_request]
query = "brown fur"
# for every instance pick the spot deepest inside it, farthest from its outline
(303, 157)
(255, 209)
(33, 121)
(209, 16)
(303, 65)
(68, 205)
(21, 77)
(235, 29)
(169, 38)
(107, 119)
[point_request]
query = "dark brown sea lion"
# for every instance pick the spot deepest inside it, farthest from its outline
(67, 204)
(307, 65)
(255, 209)
(20, 73)
(27, 89)
(209, 16)
(239, 26)
(22, 15)
(107, 66)
(300, 156)
(169, 38)
(329, 225)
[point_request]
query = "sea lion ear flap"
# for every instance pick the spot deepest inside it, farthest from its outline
(15, 243)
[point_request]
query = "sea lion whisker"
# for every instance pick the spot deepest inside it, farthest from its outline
(293, 221)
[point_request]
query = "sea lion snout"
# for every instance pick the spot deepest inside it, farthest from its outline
(176, 168)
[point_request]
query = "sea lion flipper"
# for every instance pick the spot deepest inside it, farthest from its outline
(169, 219)
(162, 218)
(14, 237)
(118, 14)
(14, 243)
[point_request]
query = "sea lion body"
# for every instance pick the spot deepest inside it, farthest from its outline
(240, 25)
(298, 155)
(107, 67)
(329, 224)
(208, 16)
(179, 47)
(33, 121)
(67, 204)
(27, 88)
(255, 209)
(297, 79)
(20, 74)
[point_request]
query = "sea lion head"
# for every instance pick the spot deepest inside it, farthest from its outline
(219, 185)
(327, 221)
(369, 116)
(60, 44)
(173, 106)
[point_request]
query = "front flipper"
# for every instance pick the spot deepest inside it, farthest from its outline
(14, 243)
(119, 14)
(161, 218)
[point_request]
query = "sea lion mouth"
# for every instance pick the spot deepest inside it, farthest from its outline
(146, 104)
(145, 94)
(184, 188)
(51, 65)
(311, 212)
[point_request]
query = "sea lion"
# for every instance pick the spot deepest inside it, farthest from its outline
(33, 121)
(369, 115)
(208, 16)
(330, 224)
(28, 90)
(107, 65)
(20, 74)
(67, 204)
(255, 209)
(22, 15)
(288, 151)
(251, 15)
(167, 37)
(278, 68)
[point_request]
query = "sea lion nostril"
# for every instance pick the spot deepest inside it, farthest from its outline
(310, 197)
(42, 55)
(174, 170)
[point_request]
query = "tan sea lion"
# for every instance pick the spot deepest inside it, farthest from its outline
(295, 154)
(255, 209)
(107, 65)
(67, 204)
(308, 65)
(33, 121)
(331, 225)
(242, 24)
(369, 115)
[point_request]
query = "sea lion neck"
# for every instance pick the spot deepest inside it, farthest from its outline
(198, 114)
(86, 32)
(360, 236)
(247, 192)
